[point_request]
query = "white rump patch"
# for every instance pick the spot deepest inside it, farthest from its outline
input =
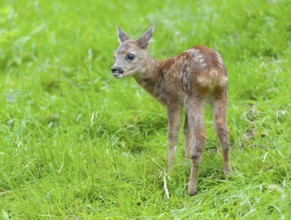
(212, 80)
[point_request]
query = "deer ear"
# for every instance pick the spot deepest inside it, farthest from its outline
(122, 36)
(145, 39)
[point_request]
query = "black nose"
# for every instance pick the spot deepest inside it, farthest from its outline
(115, 69)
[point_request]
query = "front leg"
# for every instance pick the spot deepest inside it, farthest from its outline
(173, 133)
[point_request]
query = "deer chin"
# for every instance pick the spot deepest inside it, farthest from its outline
(118, 75)
(122, 75)
(129, 73)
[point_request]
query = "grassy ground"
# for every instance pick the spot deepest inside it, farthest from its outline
(75, 143)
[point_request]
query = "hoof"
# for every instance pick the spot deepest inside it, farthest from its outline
(192, 193)
(192, 189)
(227, 171)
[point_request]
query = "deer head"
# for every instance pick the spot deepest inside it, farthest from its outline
(131, 56)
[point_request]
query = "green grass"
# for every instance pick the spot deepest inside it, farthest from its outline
(75, 143)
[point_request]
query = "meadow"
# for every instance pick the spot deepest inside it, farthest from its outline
(76, 143)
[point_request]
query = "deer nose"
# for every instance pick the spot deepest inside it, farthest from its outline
(115, 69)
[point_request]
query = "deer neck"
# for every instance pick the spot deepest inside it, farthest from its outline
(150, 76)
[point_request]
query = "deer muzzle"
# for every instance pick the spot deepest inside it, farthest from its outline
(117, 72)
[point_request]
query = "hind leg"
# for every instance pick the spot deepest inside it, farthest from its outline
(188, 138)
(197, 129)
(219, 112)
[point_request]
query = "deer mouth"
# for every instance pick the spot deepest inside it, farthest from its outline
(117, 72)
(118, 75)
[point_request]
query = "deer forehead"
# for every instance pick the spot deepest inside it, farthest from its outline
(126, 47)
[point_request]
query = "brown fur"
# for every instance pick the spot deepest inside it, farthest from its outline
(188, 80)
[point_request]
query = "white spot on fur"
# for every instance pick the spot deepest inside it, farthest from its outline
(199, 57)
(201, 61)
(193, 51)
(219, 59)
(186, 78)
(204, 64)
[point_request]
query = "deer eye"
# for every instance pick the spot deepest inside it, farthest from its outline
(130, 57)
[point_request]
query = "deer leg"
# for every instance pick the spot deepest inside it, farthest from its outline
(188, 138)
(173, 133)
(196, 123)
(219, 112)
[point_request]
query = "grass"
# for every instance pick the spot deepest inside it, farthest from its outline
(75, 143)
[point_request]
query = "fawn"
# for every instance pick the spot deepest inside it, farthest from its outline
(190, 79)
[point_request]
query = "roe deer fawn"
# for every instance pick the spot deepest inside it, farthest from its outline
(190, 79)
